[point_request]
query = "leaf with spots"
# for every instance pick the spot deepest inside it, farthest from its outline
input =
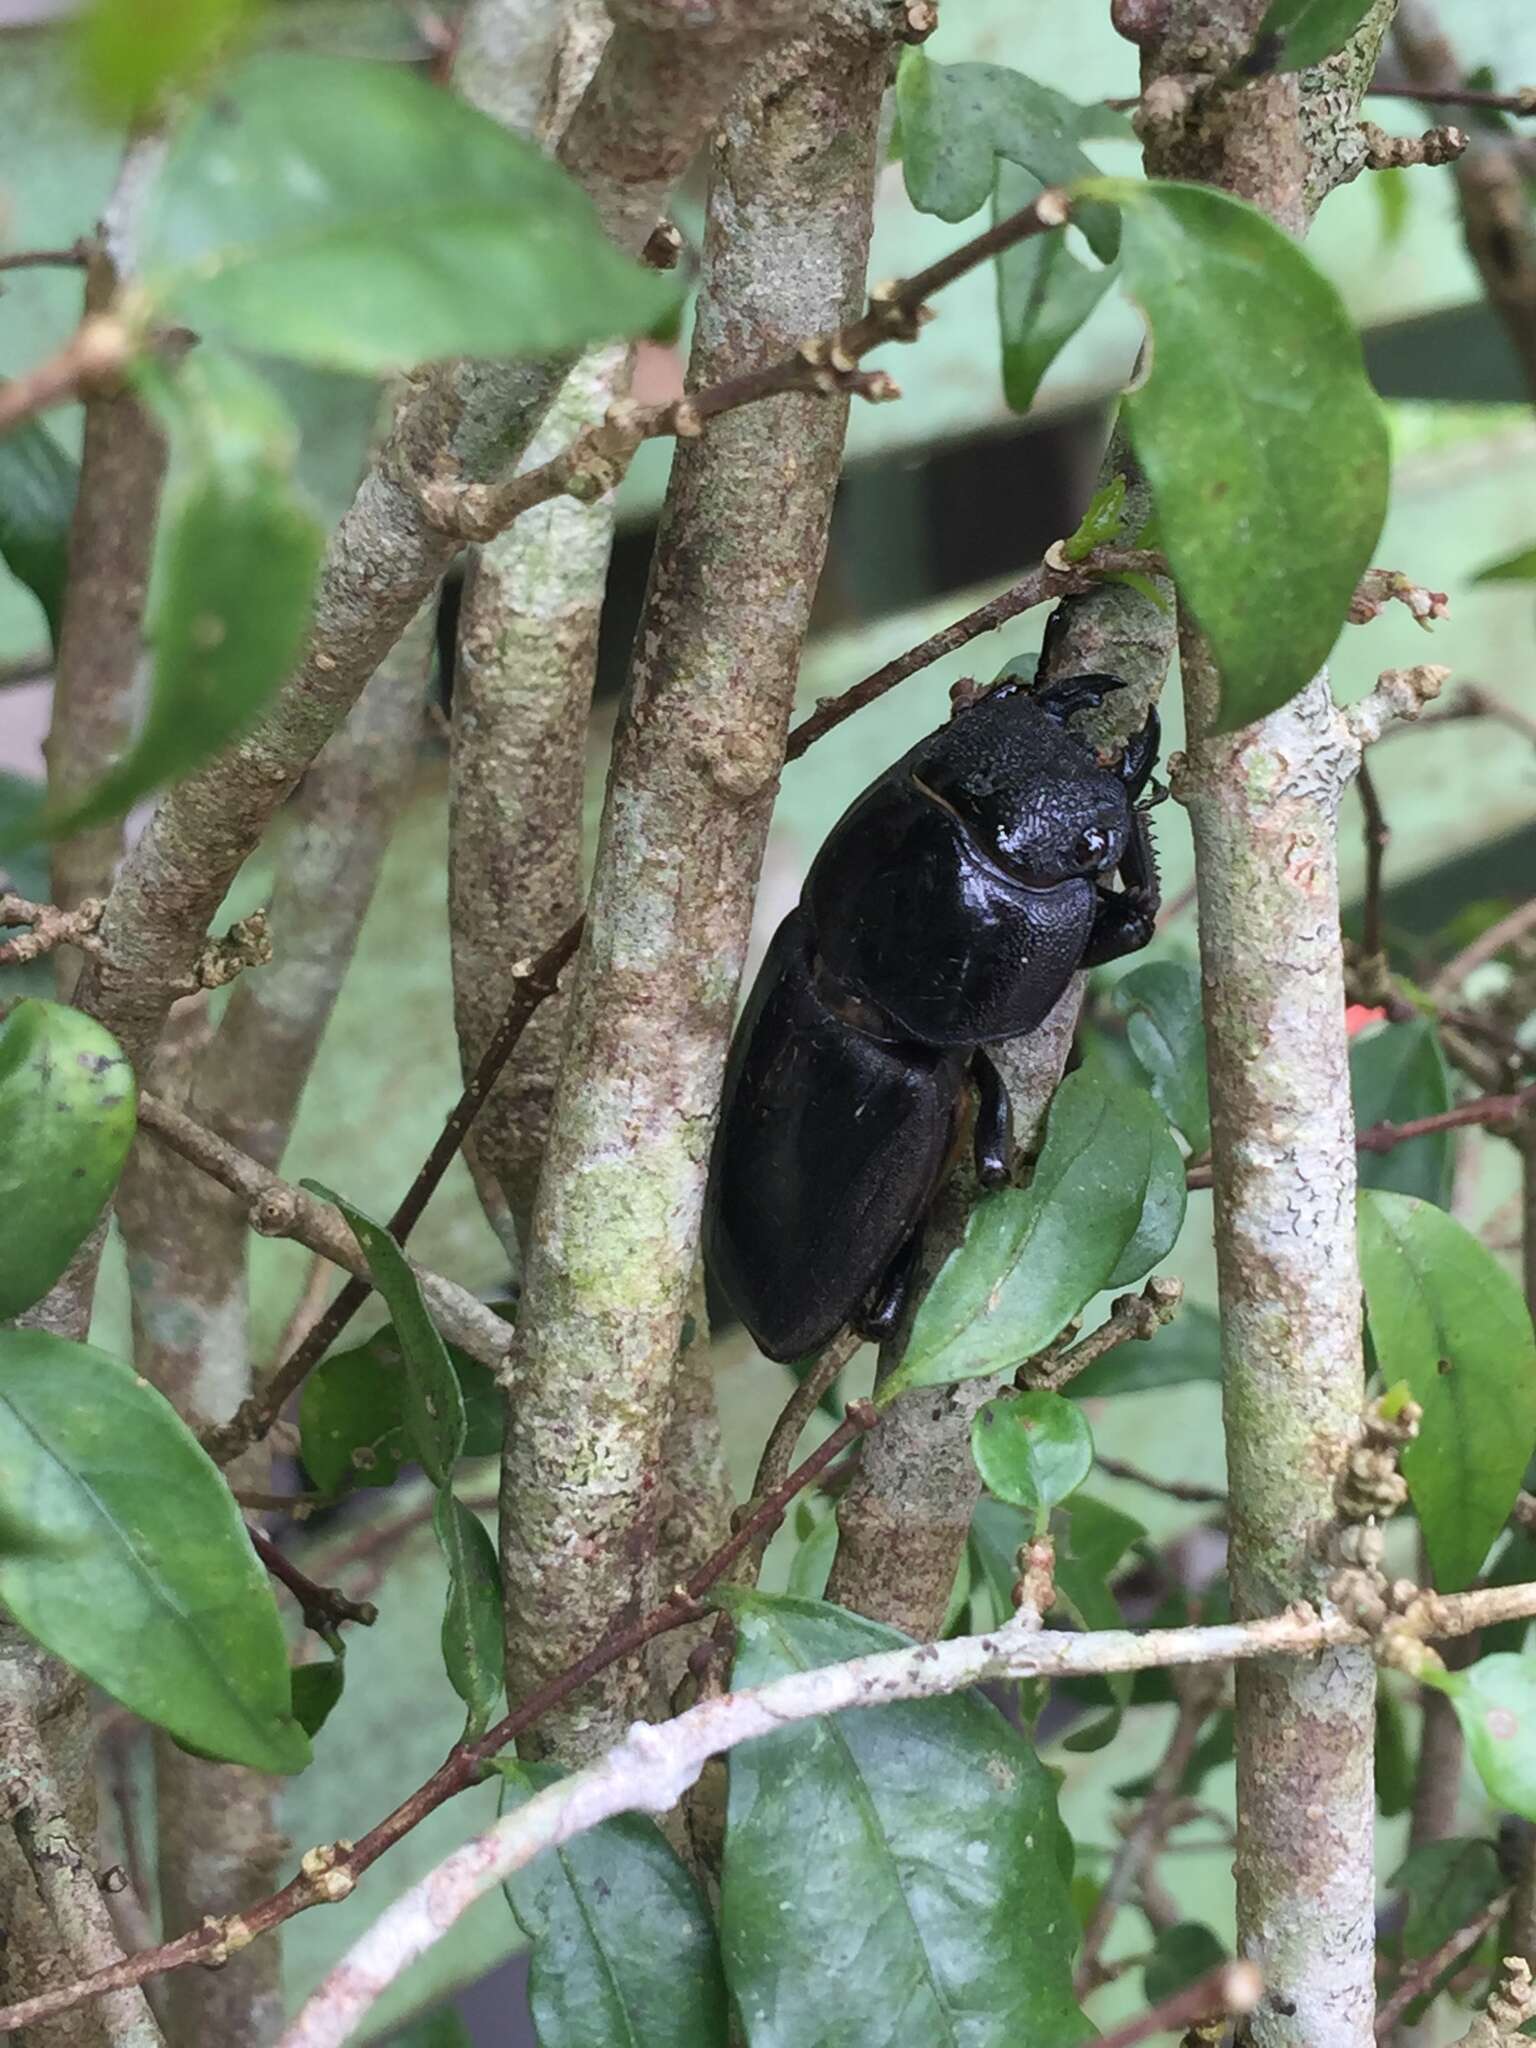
(895, 1867)
(1446, 1317)
(67, 1110)
(235, 560)
(1495, 1702)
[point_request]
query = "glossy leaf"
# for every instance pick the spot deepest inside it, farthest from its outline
(1161, 1007)
(1495, 1701)
(1033, 1450)
(317, 1688)
(433, 1406)
(352, 1413)
(1446, 1318)
(1032, 1257)
(134, 54)
(894, 1867)
(1397, 1074)
(149, 1585)
(1295, 33)
(1264, 443)
(1188, 1348)
(1179, 1955)
(67, 1109)
(1163, 1205)
(473, 1652)
(236, 556)
(623, 1947)
(405, 225)
(38, 482)
(1044, 293)
(1516, 568)
(958, 119)
(811, 1565)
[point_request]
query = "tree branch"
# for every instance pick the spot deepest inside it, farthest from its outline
(278, 1209)
(652, 1768)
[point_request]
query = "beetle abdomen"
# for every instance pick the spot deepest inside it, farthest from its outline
(827, 1156)
(912, 914)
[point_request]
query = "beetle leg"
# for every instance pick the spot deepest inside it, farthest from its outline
(994, 1122)
(888, 1303)
(1127, 917)
(1140, 753)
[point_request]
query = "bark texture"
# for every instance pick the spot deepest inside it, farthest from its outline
(1264, 804)
(694, 767)
(663, 79)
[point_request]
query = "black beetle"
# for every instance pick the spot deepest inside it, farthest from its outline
(948, 909)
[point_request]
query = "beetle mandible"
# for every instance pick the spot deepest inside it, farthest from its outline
(947, 910)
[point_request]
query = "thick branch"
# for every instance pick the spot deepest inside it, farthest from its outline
(694, 766)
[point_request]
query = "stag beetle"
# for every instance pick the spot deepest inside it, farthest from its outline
(948, 909)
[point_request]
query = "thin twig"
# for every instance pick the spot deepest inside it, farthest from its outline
(278, 1209)
(324, 1607)
(1416, 1981)
(1175, 1489)
(597, 459)
(49, 927)
(1485, 947)
(252, 1419)
(1522, 100)
(1145, 1836)
(1231, 1988)
(75, 257)
(1483, 1109)
(99, 350)
(1039, 585)
(1131, 1318)
(1377, 834)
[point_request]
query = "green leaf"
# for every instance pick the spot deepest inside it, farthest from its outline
(624, 1951)
(1447, 1318)
(1516, 568)
(1393, 203)
(1161, 1005)
(404, 226)
(1100, 524)
(1514, 1565)
(1394, 1761)
(1188, 1348)
(890, 1874)
(1447, 1884)
(1295, 33)
(1265, 445)
(958, 119)
(352, 1413)
(1032, 1257)
(38, 482)
(133, 54)
(1495, 1701)
(1179, 1955)
(316, 1690)
(440, 2029)
(67, 1109)
(473, 1654)
(433, 1404)
(811, 1566)
(150, 1586)
(1033, 1450)
(236, 555)
(1162, 1210)
(1044, 294)
(1397, 1074)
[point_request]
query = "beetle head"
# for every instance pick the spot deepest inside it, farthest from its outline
(1032, 792)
